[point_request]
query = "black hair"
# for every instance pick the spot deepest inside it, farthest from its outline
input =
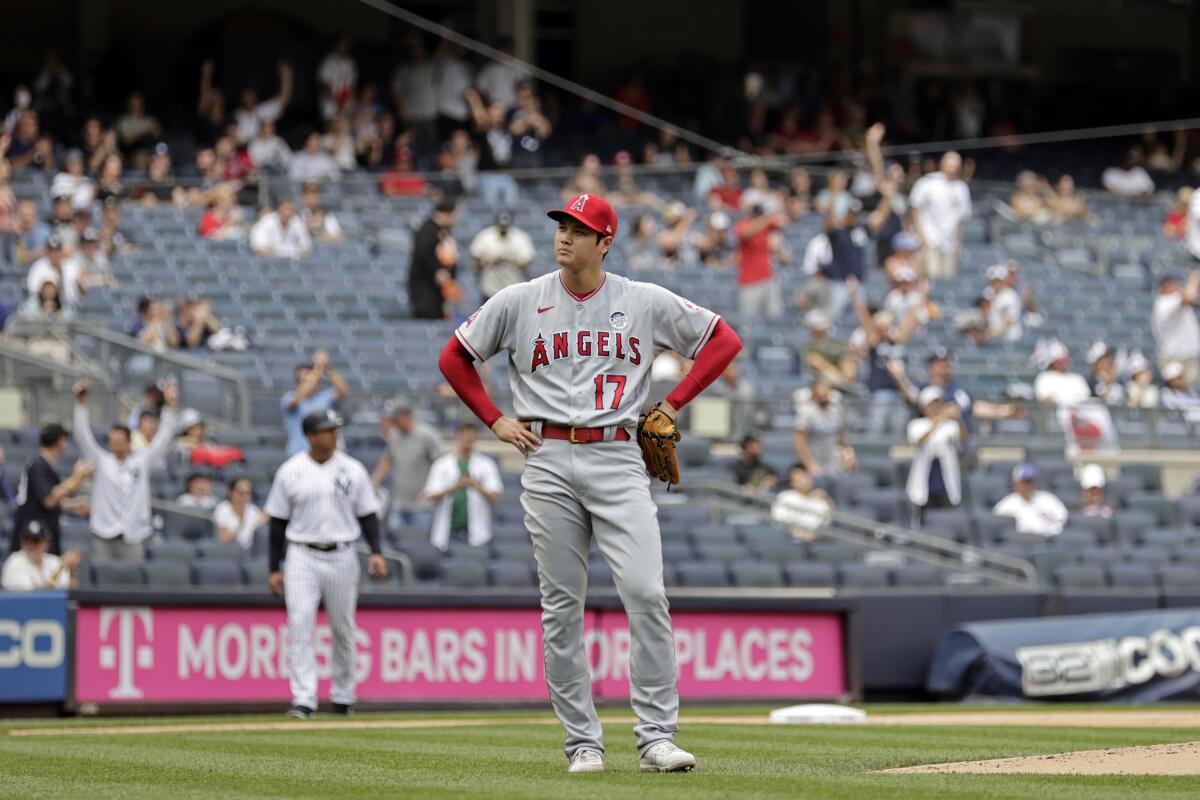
(52, 434)
(195, 476)
(123, 428)
(445, 206)
(235, 480)
(144, 304)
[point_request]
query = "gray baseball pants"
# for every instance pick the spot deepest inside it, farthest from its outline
(573, 492)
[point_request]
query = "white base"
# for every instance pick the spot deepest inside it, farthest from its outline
(818, 713)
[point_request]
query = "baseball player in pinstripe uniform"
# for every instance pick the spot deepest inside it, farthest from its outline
(320, 501)
(579, 343)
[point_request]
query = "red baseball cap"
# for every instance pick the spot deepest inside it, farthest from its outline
(590, 209)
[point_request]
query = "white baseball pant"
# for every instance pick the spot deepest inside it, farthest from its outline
(308, 577)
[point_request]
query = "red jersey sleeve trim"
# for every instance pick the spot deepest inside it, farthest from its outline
(457, 364)
(715, 355)
(474, 352)
(704, 339)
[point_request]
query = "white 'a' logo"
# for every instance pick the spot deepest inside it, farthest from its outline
(579, 203)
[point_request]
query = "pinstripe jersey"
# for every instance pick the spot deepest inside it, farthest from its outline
(584, 360)
(322, 502)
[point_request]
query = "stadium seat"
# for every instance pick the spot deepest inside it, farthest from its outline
(1076, 539)
(230, 551)
(701, 573)
(171, 551)
(759, 574)
(1102, 556)
(993, 530)
(1132, 576)
(832, 551)
(725, 553)
(917, 576)
(863, 576)
(600, 575)
(675, 552)
(1148, 554)
(1079, 577)
(1102, 528)
(1047, 560)
(953, 519)
(116, 573)
(1162, 508)
(512, 551)
(256, 572)
(810, 574)
(1179, 578)
(468, 552)
(168, 574)
(216, 572)
(425, 557)
(512, 574)
(1189, 554)
(464, 573)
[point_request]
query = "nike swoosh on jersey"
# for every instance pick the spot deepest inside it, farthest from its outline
(542, 310)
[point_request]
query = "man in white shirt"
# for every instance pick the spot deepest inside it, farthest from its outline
(498, 82)
(1128, 180)
(32, 567)
(313, 163)
(1034, 511)
(120, 518)
(281, 233)
(56, 268)
(337, 77)
(414, 93)
(1004, 313)
(251, 115)
(463, 485)
(501, 254)
(904, 296)
(452, 76)
(941, 204)
(1055, 386)
(1173, 322)
(267, 149)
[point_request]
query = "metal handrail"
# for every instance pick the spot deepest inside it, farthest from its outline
(989, 566)
(109, 340)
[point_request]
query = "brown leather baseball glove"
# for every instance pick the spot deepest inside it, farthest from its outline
(657, 436)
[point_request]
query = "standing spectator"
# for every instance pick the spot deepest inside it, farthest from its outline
(822, 439)
(412, 448)
(941, 205)
(32, 567)
(137, 130)
(281, 233)
(726, 195)
(750, 471)
(832, 257)
(879, 341)
(934, 477)
(144, 429)
(1175, 226)
(1173, 322)
(337, 77)
(803, 509)
(252, 115)
(1191, 225)
(1055, 385)
(759, 193)
(1129, 179)
(452, 79)
(434, 263)
(758, 291)
(1091, 501)
(42, 494)
(463, 485)
(323, 226)
(414, 94)
(501, 255)
(268, 150)
(529, 127)
(237, 517)
(198, 492)
(906, 297)
(312, 163)
(498, 81)
(120, 513)
(308, 397)
(941, 374)
(494, 143)
(1035, 511)
(212, 117)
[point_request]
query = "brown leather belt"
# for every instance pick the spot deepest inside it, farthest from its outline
(580, 435)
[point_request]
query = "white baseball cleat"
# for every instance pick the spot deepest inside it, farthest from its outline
(586, 760)
(664, 756)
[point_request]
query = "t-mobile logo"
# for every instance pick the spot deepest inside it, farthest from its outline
(125, 655)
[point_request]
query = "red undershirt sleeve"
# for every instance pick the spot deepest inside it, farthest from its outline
(458, 365)
(716, 354)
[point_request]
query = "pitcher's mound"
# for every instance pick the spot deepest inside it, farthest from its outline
(1155, 759)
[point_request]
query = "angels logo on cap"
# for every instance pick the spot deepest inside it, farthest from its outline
(591, 210)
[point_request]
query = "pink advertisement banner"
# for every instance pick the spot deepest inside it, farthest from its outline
(166, 654)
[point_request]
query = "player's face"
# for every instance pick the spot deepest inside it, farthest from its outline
(323, 441)
(575, 246)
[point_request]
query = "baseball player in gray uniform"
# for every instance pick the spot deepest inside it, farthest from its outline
(320, 501)
(580, 343)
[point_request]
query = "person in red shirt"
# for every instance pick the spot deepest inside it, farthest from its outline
(729, 191)
(1175, 225)
(758, 292)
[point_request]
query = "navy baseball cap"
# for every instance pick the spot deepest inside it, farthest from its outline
(322, 421)
(1025, 471)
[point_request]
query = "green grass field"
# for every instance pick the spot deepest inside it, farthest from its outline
(514, 759)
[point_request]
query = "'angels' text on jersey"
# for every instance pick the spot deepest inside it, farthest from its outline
(584, 360)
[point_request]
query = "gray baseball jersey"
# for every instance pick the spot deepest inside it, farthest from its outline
(584, 360)
(322, 502)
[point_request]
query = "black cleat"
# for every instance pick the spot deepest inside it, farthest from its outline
(300, 712)
(344, 709)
